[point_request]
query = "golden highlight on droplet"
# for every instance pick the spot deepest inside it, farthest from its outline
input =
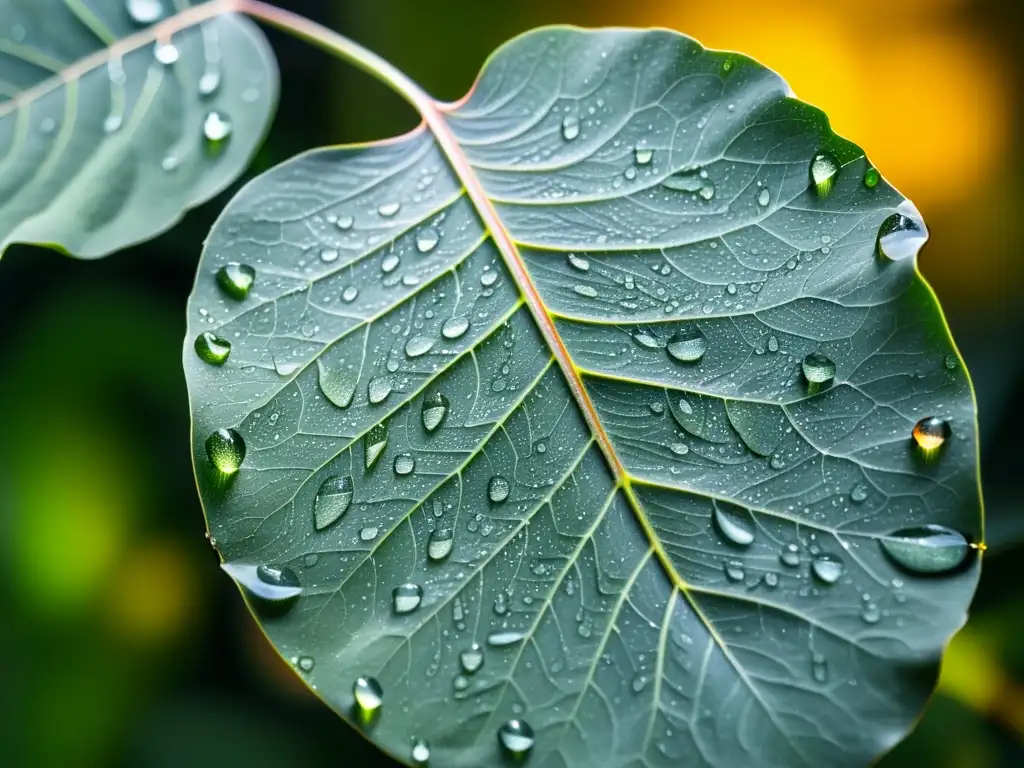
(930, 434)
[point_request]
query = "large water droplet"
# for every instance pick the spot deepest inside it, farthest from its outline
(763, 198)
(418, 346)
(369, 696)
(420, 753)
(790, 555)
(472, 658)
(824, 169)
(427, 240)
(166, 53)
(505, 637)
(871, 178)
(707, 192)
(387, 210)
(434, 411)
(643, 156)
(212, 349)
(440, 543)
(828, 568)
(570, 127)
(901, 236)
(684, 181)
(226, 450)
(454, 327)
(498, 489)
(216, 127)
(266, 582)
(144, 12)
(406, 598)
(306, 663)
(349, 294)
(818, 369)
(404, 464)
(374, 443)
(338, 386)
(516, 738)
(687, 344)
(927, 548)
(732, 526)
(236, 279)
(378, 389)
(931, 433)
(332, 500)
(578, 262)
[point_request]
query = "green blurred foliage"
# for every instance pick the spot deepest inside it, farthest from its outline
(123, 643)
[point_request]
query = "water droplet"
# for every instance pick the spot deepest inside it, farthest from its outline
(378, 389)
(773, 344)
(165, 53)
(646, 339)
(216, 127)
(763, 198)
(901, 236)
(818, 369)
(734, 570)
(828, 568)
(819, 668)
(505, 637)
(349, 294)
(406, 598)
(871, 178)
(771, 579)
(951, 362)
(859, 493)
(390, 263)
(404, 464)
(824, 169)
(931, 433)
(570, 127)
(498, 489)
(328, 255)
(707, 192)
(679, 449)
(684, 181)
(332, 500)
(266, 582)
(687, 345)
(732, 526)
(338, 386)
(578, 262)
(927, 548)
(790, 555)
(427, 240)
(440, 543)
(236, 279)
(369, 696)
(639, 682)
(306, 663)
(585, 290)
(434, 411)
(374, 443)
(209, 82)
(387, 210)
(500, 602)
(418, 346)
(345, 223)
(871, 614)
(454, 327)
(144, 12)
(643, 156)
(226, 450)
(212, 349)
(420, 753)
(472, 658)
(112, 123)
(516, 738)
(369, 533)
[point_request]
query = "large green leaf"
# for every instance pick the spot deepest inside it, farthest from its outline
(116, 116)
(666, 540)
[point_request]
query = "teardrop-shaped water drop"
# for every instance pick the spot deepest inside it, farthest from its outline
(404, 464)
(440, 543)
(226, 450)
(378, 389)
(763, 198)
(684, 181)
(642, 155)
(827, 568)
(472, 658)
(454, 327)
(498, 489)
(926, 549)
(212, 349)
(368, 694)
(406, 598)
(427, 240)
(217, 127)
(505, 638)
(338, 386)
(374, 443)
(733, 526)
(420, 753)
(790, 555)
(387, 210)
(578, 262)
(818, 369)
(824, 170)
(418, 346)
(236, 279)
(434, 411)
(570, 127)
(901, 237)
(687, 345)
(333, 499)
(931, 433)
(516, 738)
(267, 582)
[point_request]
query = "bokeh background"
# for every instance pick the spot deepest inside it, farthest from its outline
(121, 642)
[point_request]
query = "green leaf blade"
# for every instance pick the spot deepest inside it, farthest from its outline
(698, 579)
(107, 145)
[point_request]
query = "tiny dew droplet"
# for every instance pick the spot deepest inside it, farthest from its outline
(498, 489)
(818, 369)
(332, 500)
(643, 156)
(404, 464)
(216, 127)
(871, 178)
(570, 127)
(212, 349)
(827, 568)
(236, 280)
(369, 696)
(454, 327)
(440, 543)
(901, 235)
(732, 526)
(420, 753)
(687, 345)
(927, 549)
(406, 598)
(931, 433)
(516, 738)
(374, 443)
(472, 658)
(267, 582)
(824, 169)
(144, 11)
(434, 411)
(226, 450)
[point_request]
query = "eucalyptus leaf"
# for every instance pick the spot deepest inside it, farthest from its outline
(117, 116)
(604, 482)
